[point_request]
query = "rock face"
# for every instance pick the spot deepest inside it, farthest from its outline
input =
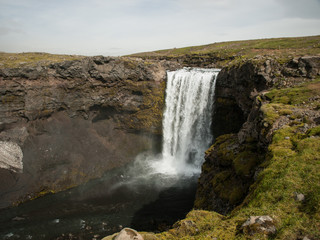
(74, 120)
(239, 84)
(244, 124)
(226, 174)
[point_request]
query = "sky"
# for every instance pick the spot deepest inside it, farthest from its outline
(119, 27)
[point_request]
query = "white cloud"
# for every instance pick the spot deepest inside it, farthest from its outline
(119, 27)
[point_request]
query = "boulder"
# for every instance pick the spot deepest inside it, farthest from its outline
(259, 225)
(185, 227)
(125, 234)
(11, 156)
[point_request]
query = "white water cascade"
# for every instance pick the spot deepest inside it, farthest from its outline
(187, 121)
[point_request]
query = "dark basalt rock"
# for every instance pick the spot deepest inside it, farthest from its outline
(79, 118)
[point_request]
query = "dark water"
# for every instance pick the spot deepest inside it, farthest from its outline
(122, 198)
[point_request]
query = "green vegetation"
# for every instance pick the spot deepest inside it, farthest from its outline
(280, 48)
(14, 60)
(296, 95)
(294, 166)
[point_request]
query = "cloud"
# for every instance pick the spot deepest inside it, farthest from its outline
(302, 9)
(8, 30)
(98, 26)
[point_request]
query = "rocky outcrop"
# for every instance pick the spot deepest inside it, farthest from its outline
(74, 120)
(238, 85)
(100, 84)
(246, 117)
(227, 174)
(259, 225)
(125, 234)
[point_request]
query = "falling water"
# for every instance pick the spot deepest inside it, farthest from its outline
(132, 196)
(187, 120)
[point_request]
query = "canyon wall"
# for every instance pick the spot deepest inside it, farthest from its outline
(66, 123)
(245, 122)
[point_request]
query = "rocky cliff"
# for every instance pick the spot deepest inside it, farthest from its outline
(65, 123)
(266, 142)
(260, 178)
(60, 121)
(243, 127)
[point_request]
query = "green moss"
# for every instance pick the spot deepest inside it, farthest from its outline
(208, 225)
(245, 162)
(226, 188)
(241, 160)
(129, 63)
(150, 118)
(269, 113)
(282, 101)
(292, 168)
(285, 111)
(295, 95)
(224, 154)
(314, 131)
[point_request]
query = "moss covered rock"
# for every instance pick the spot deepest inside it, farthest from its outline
(226, 174)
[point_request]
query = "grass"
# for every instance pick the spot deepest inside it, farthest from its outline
(281, 48)
(15, 60)
(222, 53)
(294, 166)
(295, 96)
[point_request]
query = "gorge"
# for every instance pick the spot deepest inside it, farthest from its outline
(115, 198)
(66, 117)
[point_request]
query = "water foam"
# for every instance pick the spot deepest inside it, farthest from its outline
(187, 121)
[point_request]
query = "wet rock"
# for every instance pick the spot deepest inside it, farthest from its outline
(18, 218)
(259, 225)
(56, 221)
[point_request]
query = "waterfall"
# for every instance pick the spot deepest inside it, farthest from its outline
(187, 120)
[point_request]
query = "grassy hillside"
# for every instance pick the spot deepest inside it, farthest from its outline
(276, 47)
(14, 60)
(220, 53)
